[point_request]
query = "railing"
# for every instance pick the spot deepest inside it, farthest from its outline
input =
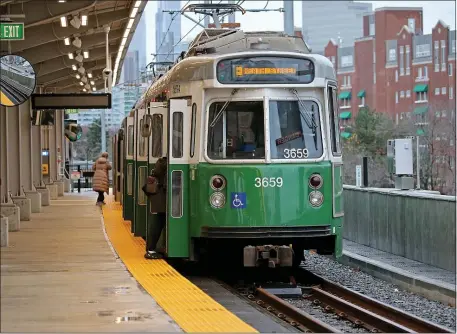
(85, 180)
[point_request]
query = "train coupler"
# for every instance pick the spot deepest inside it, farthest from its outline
(271, 256)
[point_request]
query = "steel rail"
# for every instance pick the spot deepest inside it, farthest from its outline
(370, 313)
(297, 318)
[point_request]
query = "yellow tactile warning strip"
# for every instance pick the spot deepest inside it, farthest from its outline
(190, 307)
(5, 100)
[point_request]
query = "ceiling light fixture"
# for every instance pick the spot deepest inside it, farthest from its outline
(92, 82)
(77, 42)
(61, 1)
(134, 11)
(84, 20)
(86, 54)
(81, 83)
(73, 67)
(89, 75)
(79, 58)
(94, 89)
(126, 33)
(130, 24)
(138, 3)
(75, 22)
(70, 55)
(78, 76)
(67, 41)
(84, 90)
(63, 21)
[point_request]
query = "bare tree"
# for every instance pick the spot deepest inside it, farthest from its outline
(435, 126)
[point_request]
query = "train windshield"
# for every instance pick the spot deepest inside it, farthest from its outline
(295, 130)
(238, 133)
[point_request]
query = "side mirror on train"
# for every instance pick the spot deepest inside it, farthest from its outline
(121, 134)
(147, 126)
(73, 132)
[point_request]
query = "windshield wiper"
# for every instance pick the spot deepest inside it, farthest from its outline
(308, 116)
(218, 115)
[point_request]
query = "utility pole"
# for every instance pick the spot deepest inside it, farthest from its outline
(289, 17)
(418, 185)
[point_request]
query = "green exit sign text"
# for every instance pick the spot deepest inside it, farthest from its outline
(12, 31)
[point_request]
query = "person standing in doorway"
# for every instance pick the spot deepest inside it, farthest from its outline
(101, 178)
(156, 190)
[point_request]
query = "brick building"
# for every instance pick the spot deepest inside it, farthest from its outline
(395, 69)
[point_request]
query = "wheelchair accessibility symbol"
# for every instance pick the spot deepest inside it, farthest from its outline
(238, 200)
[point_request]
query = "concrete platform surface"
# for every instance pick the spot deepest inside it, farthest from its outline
(59, 274)
(432, 282)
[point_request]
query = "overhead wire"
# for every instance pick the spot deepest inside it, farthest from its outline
(171, 50)
(169, 26)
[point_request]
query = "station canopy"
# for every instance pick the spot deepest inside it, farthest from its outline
(65, 40)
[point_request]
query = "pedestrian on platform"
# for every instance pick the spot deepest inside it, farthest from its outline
(156, 190)
(101, 177)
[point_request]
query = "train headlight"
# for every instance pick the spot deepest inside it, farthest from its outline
(217, 182)
(315, 181)
(217, 200)
(316, 198)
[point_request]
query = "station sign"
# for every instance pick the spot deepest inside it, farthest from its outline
(12, 31)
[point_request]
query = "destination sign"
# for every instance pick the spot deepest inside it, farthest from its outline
(265, 70)
(241, 71)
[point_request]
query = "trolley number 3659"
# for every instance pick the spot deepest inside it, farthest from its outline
(296, 153)
(266, 182)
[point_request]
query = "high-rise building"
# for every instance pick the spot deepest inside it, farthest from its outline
(167, 33)
(131, 66)
(138, 42)
(341, 21)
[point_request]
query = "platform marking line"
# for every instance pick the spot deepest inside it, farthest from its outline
(191, 308)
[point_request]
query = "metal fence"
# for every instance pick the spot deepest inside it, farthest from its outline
(418, 226)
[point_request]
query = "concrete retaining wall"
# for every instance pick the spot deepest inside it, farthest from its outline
(415, 225)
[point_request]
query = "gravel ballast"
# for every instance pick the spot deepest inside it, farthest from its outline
(378, 289)
(344, 326)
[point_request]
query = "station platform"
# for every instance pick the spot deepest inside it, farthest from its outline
(70, 269)
(432, 282)
(59, 274)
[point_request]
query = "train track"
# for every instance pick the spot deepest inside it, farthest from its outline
(347, 304)
(16, 92)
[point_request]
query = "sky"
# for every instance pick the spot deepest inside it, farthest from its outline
(433, 11)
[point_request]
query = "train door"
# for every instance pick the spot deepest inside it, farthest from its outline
(128, 175)
(121, 158)
(178, 178)
(157, 112)
(140, 199)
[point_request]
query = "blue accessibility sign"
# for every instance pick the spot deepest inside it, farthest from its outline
(238, 201)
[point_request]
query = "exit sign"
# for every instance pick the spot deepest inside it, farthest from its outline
(12, 31)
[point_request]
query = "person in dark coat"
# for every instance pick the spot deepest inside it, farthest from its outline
(101, 178)
(158, 204)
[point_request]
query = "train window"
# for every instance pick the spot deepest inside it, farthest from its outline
(129, 179)
(130, 140)
(334, 124)
(237, 133)
(176, 195)
(142, 142)
(177, 140)
(192, 130)
(142, 171)
(295, 130)
(157, 135)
